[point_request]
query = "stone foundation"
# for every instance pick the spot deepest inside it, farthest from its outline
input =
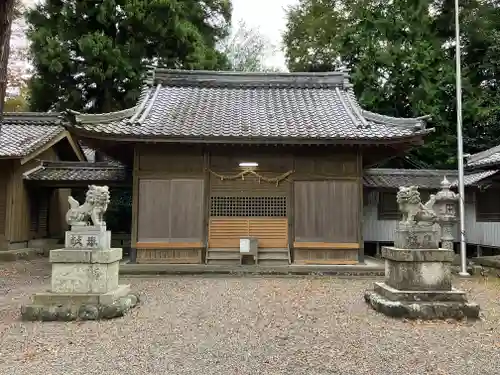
(418, 280)
(84, 282)
(425, 305)
(67, 307)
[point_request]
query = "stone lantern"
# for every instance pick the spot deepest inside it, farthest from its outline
(446, 209)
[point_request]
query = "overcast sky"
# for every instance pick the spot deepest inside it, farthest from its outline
(266, 15)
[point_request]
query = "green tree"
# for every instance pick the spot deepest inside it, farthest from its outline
(247, 50)
(401, 62)
(92, 55)
(480, 42)
(7, 14)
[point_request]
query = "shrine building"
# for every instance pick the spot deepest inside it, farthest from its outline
(219, 156)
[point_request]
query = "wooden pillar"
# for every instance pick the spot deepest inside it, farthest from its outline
(206, 203)
(135, 207)
(377, 252)
(359, 169)
(479, 251)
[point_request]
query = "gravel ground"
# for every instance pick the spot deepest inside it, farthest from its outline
(249, 325)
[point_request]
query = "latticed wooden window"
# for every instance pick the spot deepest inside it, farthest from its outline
(248, 206)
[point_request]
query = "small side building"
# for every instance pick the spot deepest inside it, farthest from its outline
(381, 213)
(217, 156)
(483, 206)
(26, 213)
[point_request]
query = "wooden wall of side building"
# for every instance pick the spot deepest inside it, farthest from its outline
(6, 167)
(31, 211)
(380, 228)
(482, 212)
(175, 228)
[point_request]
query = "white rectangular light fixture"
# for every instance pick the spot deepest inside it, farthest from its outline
(248, 164)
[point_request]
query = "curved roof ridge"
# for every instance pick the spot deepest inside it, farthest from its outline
(354, 106)
(410, 122)
(346, 108)
(102, 118)
(178, 77)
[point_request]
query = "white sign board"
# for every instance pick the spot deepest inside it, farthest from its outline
(244, 245)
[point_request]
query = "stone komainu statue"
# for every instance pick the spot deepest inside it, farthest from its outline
(410, 205)
(96, 204)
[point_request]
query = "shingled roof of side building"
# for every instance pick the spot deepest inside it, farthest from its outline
(423, 178)
(206, 106)
(22, 133)
(58, 171)
(484, 159)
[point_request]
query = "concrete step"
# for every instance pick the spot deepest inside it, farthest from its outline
(273, 255)
(273, 250)
(222, 255)
(223, 262)
(273, 262)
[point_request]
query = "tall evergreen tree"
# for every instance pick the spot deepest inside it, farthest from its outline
(401, 58)
(91, 56)
(7, 10)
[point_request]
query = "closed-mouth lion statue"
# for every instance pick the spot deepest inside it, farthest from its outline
(96, 204)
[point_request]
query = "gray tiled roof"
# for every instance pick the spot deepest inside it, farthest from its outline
(76, 171)
(88, 152)
(90, 155)
(487, 158)
(201, 105)
(24, 132)
(475, 178)
(423, 178)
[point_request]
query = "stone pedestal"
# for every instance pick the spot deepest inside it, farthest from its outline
(418, 280)
(84, 282)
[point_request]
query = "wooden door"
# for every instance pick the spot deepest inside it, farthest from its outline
(226, 232)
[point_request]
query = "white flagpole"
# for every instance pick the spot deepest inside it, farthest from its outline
(460, 147)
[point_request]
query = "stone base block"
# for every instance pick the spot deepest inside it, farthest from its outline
(87, 238)
(50, 306)
(416, 236)
(418, 269)
(393, 294)
(425, 305)
(84, 271)
(52, 298)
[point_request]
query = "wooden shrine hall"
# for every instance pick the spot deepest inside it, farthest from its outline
(220, 156)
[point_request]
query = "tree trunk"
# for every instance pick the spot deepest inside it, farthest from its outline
(6, 17)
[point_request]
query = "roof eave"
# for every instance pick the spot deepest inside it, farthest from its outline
(245, 140)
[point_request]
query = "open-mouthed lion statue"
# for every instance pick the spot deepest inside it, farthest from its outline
(96, 204)
(410, 205)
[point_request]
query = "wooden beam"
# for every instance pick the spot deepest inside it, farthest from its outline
(332, 262)
(169, 245)
(76, 147)
(325, 245)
